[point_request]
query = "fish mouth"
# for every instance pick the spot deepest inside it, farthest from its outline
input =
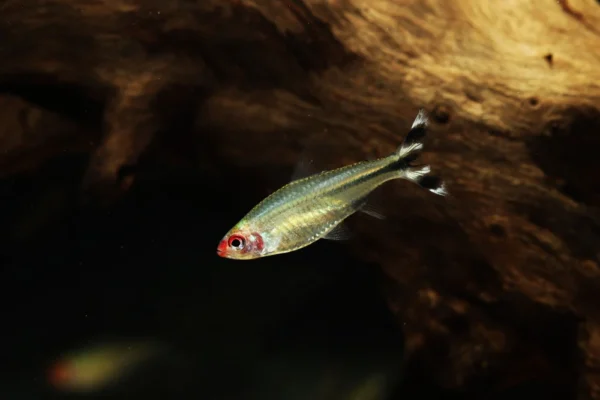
(221, 248)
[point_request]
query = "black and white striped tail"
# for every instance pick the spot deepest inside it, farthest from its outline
(410, 150)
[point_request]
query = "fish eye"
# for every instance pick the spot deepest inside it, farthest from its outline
(237, 242)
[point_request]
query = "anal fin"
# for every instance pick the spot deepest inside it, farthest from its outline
(371, 207)
(372, 211)
(340, 232)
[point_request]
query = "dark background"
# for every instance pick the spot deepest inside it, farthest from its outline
(146, 267)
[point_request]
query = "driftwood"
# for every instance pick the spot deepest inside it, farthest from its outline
(497, 283)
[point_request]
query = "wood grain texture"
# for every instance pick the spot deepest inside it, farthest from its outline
(514, 88)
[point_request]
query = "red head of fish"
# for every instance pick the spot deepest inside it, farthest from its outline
(60, 373)
(241, 245)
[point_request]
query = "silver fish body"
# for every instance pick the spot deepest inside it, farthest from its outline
(313, 208)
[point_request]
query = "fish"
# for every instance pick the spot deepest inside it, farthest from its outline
(374, 387)
(319, 377)
(98, 366)
(314, 207)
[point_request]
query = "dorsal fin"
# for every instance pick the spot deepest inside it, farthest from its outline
(305, 167)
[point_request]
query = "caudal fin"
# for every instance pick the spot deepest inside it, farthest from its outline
(410, 150)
